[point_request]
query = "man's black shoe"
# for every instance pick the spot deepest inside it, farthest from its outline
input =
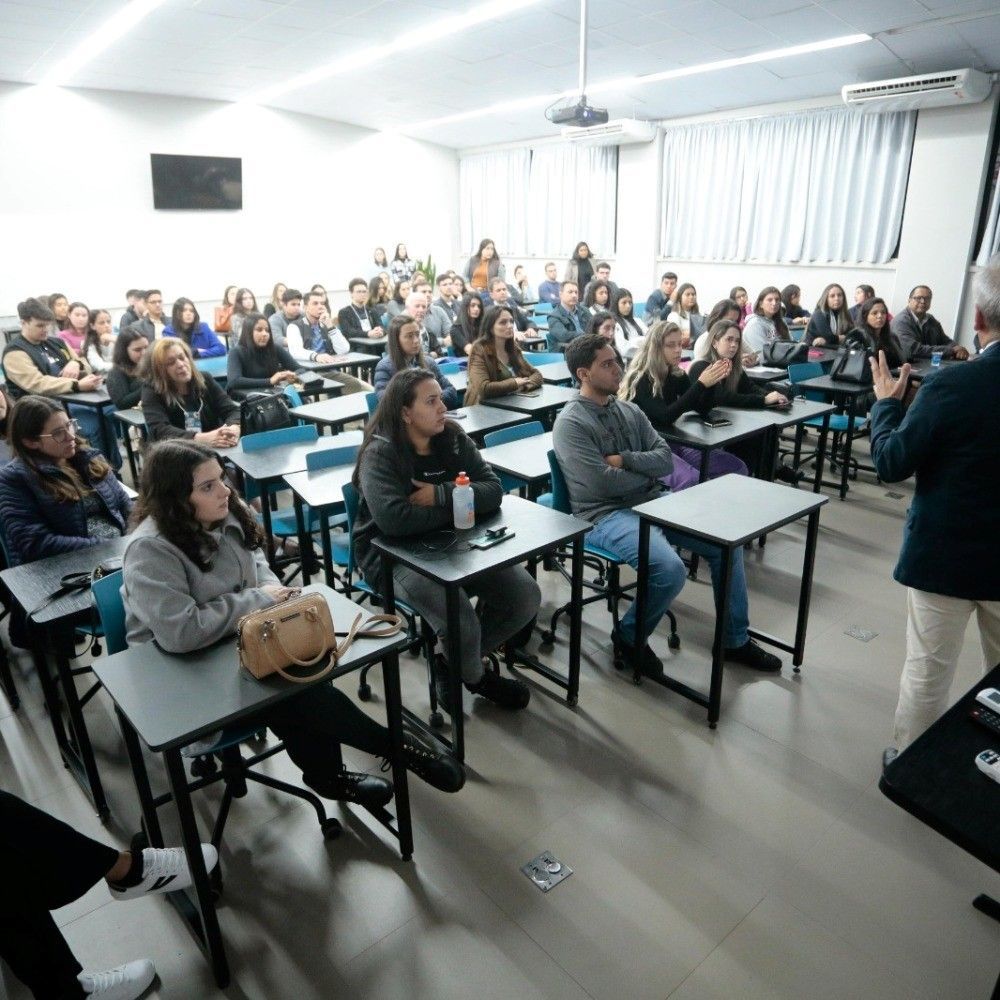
(786, 474)
(650, 664)
(503, 691)
(427, 760)
(351, 786)
(751, 655)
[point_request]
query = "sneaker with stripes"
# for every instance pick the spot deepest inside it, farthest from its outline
(164, 869)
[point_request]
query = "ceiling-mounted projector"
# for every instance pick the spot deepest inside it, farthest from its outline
(580, 114)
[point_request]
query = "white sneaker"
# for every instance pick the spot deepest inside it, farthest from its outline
(164, 869)
(126, 982)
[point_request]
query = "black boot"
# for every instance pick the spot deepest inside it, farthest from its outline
(503, 691)
(351, 786)
(650, 665)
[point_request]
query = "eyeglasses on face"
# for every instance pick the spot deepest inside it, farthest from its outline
(63, 434)
(920, 298)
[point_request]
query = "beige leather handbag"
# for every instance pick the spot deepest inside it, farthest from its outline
(300, 632)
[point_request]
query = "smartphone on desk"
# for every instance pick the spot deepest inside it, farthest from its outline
(491, 537)
(715, 419)
(529, 392)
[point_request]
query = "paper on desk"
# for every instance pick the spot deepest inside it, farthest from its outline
(763, 370)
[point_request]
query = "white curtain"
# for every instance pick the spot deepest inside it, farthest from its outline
(572, 196)
(493, 193)
(991, 234)
(822, 186)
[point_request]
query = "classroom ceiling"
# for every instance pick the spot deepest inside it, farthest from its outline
(231, 49)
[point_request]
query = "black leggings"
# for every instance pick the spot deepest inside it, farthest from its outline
(45, 864)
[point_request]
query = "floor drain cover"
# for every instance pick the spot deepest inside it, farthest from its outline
(865, 635)
(546, 871)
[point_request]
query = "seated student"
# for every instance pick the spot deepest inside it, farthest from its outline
(435, 324)
(405, 350)
(46, 865)
(134, 298)
(57, 493)
(397, 301)
(223, 312)
(629, 328)
(523, 293)
(873, 322)
(246, 303)
(466, 328)
(186, 324)
(310, 339)
(861, 295)
(500, 294)
(830, 321)
(739, 295)
(660, 303)
(657, 384)
(179, 402)
(99, 342)
(446, 299)
(548, 290)
(496, 365)
(613, 459)
(723, 309)
(194, 567)
(687, 315)
(290, 311)
(124, 382)
(402, 266)
(597, 297)
(75, 330)
(765, 324)
(602, 272)
(35, 363)
(274, 303)
(59, 305)
(151, 322)
(378, 296)
(568, 320)
(356, 319)
(257, 363)
(791, 303)
(405, 475)
(737, 389)
(602, 323)
(919, 333)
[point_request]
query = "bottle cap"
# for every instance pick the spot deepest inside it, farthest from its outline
(462, 480)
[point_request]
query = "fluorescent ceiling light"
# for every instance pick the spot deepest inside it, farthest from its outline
(421, 34)
(623, 83)
(105, 36)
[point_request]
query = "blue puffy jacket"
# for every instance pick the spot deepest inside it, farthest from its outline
(385, 369)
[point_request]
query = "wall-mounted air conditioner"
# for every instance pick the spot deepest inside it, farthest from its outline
(929, 90)
(620, 132)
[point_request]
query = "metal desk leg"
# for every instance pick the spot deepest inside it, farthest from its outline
(703, 465)
(454, 645)
(852, 405)
(53, 703)
(130, 453)
(7, 682)
(394, 719)
(719, 642)
(106, 433)
(642, 574)
(265, 512)
(326, 545)
(820, 452)
(575, 622)
(805, 591)
(208, 928)
(305, 543)
(150, 819)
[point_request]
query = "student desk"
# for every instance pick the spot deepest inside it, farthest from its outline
(30, 584)
(800, 411)
(727, 512)
(168, 701)
(533, 343)
(360, 365)
(482, 418)
(451, 563)
(97, 400)
(460, 380)
(691, 431)
(936, 780)
(369, 345)
(216, 367)
(555, 373)
(131, 419)
(526, 459)
(540, 404)
(334, 413)
(269, 465)
(841, 393)
(923, 368)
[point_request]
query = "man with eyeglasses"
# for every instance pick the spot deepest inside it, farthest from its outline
(920, 334)
(151, 325)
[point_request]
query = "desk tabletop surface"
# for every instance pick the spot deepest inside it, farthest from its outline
(212, 366)
(31, 583)
(554, 372)
(334, 411)
(133, 417)
(690, 430)
(321, 487)
(460, 380)
(482, 418)
(527, 458)
(282, 459)
(549, 397)
(174, 699)
(732, 509)
(368, 343)
(801, 409)
(98, 398)
(827, 384)
(349, 360)
(445, 555)
(936, 779)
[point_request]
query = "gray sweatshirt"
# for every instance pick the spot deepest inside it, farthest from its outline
(585, 432)
(169, 599)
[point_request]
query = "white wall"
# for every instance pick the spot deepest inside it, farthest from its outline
(317, 197)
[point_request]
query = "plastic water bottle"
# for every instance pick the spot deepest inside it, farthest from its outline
(463, 503)
(936, 357)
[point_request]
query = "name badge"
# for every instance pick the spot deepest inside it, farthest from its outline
(366, 325)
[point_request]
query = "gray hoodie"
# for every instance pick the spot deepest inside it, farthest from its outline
(585, 432)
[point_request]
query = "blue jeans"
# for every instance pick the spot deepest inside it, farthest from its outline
(619, 533)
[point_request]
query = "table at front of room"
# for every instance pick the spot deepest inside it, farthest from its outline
(169, 701)
(727, 512)
(936, 780)
(31, 584)
(539, 404)
(537, 530)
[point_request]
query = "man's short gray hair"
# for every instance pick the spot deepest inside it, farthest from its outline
(987, 293)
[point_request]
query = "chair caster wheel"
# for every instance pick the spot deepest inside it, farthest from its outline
(548, 638)
(365, 692)
(203, 767)
(637, 681)
(674, 642)
(436, 720)
(331, 829)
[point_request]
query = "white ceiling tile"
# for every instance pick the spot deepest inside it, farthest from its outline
(756, 9)
(863, 15)
(911, 44)
(807, 24)
(643, 30)
(246, 10)
(947, 8)
(983, 32)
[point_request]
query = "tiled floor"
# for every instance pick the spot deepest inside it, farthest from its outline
(756, 861)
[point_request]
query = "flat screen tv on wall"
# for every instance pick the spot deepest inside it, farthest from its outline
(197, 182)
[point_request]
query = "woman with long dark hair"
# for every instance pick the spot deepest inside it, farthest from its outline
(465, 329)
(765, 324)
(404, 350)
(629, 328)
(99, 341)
(194, 567)
(861, 295)
(831, 321)
(687, 315)
(401, 268)
(598, 296)
(580, 267)
(739, 295)
(737, 389)
(378, 295)
(397, 302)
(224, 311)
(483, 266)
(274, 304)
(409, 460)
(791, 306)
(257, 362)
(60, 307)
(380, 262)
(74, 329)
(723, 309)
(246, 303)
(497, 366)
(186, 324)
(873, 322)
(124, 380)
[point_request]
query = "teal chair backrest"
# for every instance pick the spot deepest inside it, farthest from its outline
(293, 395)
(515, 433)
(331, 457)
(351, 501)
(111, 610)
(539, 358)
(450, 367)
(639, 309)
(560, 491)
(803, 371)
(371, 398)
(541, 308)
(299, 434)
(797, 333)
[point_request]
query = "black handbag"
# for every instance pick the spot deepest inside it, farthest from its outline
(782, 353)
(853, 362)
(264, 411)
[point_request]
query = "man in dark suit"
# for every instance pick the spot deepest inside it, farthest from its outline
(356, 319)
(950, 560)
(919, 333)
(568, 320)
(500, 294)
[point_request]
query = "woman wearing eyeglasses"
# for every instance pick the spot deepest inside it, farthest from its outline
(57, 493)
